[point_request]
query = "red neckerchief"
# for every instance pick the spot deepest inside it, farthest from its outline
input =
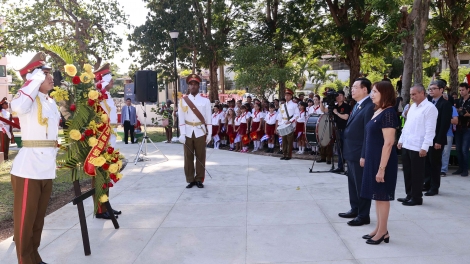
(316, 108)
(301, 113)
(255, 114)
(215, 114)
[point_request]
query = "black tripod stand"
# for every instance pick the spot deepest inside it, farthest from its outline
(141, 153)
(331, 124)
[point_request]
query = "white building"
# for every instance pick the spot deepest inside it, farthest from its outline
(3, 66)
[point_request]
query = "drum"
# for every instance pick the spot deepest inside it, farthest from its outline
(318, 130)
(285, 129)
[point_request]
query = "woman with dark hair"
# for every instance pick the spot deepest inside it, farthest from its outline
(381, 161)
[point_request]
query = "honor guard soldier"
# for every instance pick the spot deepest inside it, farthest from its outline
(35, 165)
(288, 113)
(194, 118)
(106, 83)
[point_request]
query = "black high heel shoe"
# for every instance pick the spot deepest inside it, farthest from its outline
(367, 236)
(376, 242)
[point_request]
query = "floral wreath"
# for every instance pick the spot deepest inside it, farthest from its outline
(86, 150)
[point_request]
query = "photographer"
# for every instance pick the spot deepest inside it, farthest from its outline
(341, 112)
(462, 134)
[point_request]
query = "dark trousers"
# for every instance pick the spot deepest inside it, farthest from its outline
(433, 166)
(196, 146)
(287, 143)
(5, 145)
(413, 172)
(339, 144)
(31, 198)
(462, 144)
(128, 127)
(358, 204)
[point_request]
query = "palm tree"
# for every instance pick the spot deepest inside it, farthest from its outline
(319, 75)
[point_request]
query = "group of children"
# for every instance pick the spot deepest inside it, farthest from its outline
(237, 124)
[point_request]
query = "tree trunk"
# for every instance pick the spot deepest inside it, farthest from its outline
(354, 62)
(222, 79)
(407, 75)
(453, 66)
(282, 90)
(420, 24)
(214, 91)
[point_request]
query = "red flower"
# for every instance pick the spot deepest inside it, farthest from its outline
(98, 77)
(73, 107)
(110, 150)
(104, 186)
(83, 138)
(99, 86)
(76, 80)
(100, 98)
(89, 132)
(110, 184)
(113, 177)
(115, 160)
(91, 102)
(105, 166)
(105, 96)
(101, 128)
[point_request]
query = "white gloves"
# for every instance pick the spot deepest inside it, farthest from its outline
(37, 74)
(182, 138)
(208, 139)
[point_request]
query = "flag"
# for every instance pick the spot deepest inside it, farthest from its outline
(264, 138)
(216, 138)
(223, 129)
(254, 135)
(280, 140)
(231, 137)
(245, 139)
(237, 138)
(298, 135)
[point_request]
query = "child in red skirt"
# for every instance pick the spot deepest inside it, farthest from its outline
(237, 126)
(216, 126)
(270, 121)
(300, 127)
(230, 124)
(257, 119)
(243, 128)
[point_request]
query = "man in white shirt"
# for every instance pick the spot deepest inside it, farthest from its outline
(288, 113)
(195, 133)
(416, 138)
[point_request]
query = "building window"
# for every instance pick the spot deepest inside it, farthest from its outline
(464, 61)
(3, 71)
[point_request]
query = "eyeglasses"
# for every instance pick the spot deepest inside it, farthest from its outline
(432, 88)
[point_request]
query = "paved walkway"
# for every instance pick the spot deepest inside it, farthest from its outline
(256, 209)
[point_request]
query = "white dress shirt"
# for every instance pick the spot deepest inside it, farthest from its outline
(293, 110)
(35, 163)
(185, 113)
(302, 117)
(420, 126)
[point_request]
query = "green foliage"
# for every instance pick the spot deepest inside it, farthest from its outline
(463, 71)
(16, 81)
(336, 85)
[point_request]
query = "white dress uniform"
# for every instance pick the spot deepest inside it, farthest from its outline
(293, 110)
(35, 163)
(4, 126)
(112, 115)
(188, 121)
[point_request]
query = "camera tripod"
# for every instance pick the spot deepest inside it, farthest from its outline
(141, 154)
(331, 124)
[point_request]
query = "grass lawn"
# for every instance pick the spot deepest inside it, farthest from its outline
(60, 186)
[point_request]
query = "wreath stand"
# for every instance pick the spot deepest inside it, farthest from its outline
(78, 201)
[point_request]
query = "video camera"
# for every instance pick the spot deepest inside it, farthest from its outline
(465, 109)
(329, 97)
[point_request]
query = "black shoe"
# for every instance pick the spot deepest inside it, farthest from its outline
(376, 242)
(425, 189)
(322, 160)
(328, 162)
(279, 152)
(287, 158)
(117, 212)
(283, 158)
(464, 174)
(105, 216)
(431, 193)
(268, 150)
(413, 202)
(359, 221)
(406, 199)
(457, 172)
(190, 185)
(367, 236)
(125, 142)
(337, 170)
(348, 214)
(443, 174)
(199, 184)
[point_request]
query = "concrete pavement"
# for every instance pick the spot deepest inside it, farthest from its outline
(256, 209)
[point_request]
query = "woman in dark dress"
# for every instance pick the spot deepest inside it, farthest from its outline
(381, 162)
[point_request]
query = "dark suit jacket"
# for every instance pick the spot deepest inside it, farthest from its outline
(133, 117)
(354, 133)
(444, 109)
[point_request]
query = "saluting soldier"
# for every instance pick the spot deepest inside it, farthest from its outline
(35, 165)
(106, 83)
(288, 113)
(194, 118)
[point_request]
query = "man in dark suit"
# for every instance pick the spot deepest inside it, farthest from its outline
(432, 180)
(354, 151)
(128, 120)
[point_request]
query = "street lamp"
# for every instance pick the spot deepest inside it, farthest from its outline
(174, 36)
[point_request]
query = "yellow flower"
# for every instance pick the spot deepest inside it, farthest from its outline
(92, 141)
(75, 134)
(119, 163)
(60, 94)
(93, 95)
(119, 176)
(104, 118)
(103, 198)
(85, 77)
(70, 69)
(98, 161)
(88, 68)
(113, 168)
